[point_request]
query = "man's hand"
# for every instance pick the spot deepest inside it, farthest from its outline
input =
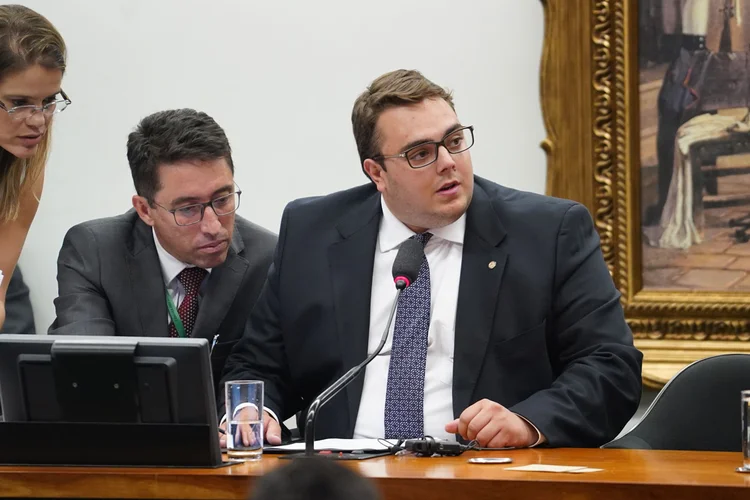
(493, 426)
(271, 430)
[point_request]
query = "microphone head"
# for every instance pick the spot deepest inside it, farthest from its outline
(407, 263)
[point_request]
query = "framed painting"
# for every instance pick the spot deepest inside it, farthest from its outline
(647, 110)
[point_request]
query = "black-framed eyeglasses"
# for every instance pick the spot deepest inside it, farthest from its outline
(426, 153)
(22, 113)
(193, 214)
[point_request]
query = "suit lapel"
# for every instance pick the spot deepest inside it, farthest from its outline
(351, 263)
(477, 295)
(221, 290)
(147, 284)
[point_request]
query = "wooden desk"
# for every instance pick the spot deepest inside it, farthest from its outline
(627, 474)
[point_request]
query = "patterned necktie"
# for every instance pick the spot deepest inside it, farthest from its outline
(404, 397)
(191, 279)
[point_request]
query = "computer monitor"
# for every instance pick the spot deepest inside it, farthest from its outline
(132, 386)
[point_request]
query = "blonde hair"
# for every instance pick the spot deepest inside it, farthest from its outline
(397, 88)
(26, 39)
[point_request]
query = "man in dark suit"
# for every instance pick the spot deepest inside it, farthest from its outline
(513, 333)
(181, 263)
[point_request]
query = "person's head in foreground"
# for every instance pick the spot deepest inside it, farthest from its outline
(313, 478)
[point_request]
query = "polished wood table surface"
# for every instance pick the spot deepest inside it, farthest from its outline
(639, 474)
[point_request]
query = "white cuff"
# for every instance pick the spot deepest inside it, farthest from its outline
(245, 405)
(540, 438)
(270, 412)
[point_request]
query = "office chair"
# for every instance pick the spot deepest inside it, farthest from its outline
(698, 409)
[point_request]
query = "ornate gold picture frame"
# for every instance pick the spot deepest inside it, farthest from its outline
(590, 96)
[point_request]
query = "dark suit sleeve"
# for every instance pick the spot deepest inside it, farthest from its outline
(19, 315)
(591, 347)
(260, 354)
(81, 306)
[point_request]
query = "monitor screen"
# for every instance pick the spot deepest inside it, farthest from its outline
(106, 379)
(149, 401)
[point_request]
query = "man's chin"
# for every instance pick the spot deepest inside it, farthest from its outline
(451, 213)
(210, 261)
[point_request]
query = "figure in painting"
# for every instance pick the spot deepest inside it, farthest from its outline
(697, 202)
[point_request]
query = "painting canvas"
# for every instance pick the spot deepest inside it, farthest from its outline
(646, 107)
(694, 95)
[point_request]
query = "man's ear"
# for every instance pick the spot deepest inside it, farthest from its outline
(143, 208)
(376, 172)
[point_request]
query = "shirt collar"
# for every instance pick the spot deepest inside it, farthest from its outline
(393, 232)
(170, 265)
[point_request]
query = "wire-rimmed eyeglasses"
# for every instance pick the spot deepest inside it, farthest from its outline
(193, 214)
(26, 111)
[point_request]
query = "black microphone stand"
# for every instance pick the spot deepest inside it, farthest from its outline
(337, 386)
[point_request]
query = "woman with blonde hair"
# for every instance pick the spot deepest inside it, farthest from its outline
(32, 63)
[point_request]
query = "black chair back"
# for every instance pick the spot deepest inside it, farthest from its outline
(699, 409)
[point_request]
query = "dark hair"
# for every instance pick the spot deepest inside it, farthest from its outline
(313, 478)
(169, 137)
(397, 88)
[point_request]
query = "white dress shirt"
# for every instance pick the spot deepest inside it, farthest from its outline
(170, 268)
(444, 253)
(695, 17)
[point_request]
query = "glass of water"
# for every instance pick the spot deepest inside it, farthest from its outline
(745, 396)
(244, 401)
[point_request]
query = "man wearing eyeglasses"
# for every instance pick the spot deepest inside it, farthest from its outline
(512, 334)
(181, 263)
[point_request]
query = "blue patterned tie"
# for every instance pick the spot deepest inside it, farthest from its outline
(404, 397)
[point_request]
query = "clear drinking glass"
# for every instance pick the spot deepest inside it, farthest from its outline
(244, 403)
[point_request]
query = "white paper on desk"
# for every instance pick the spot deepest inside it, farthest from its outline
(547, 468)
(332, 444)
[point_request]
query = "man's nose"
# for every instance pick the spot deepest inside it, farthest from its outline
(210, 223)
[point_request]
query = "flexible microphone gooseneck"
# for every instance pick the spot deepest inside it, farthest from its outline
(405, 271)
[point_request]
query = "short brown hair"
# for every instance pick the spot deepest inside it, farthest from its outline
(26, 38)
(397, 88)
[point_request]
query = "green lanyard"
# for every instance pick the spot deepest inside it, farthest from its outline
(175, 316)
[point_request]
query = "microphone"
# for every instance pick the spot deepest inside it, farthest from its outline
(405, 271)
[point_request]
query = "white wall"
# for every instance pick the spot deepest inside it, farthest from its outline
(280, 77)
